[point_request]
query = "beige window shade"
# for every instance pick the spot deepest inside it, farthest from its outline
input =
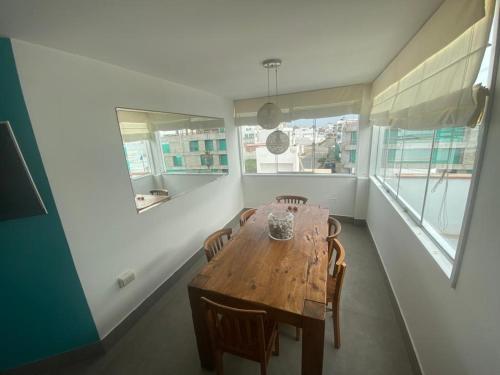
(138, 125)
(134, 131)
(336, 101)
(450, 20)
(439, 92)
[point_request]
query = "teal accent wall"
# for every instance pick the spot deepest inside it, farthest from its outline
(43, 310)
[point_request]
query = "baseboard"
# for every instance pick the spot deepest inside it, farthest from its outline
(412, 354)
(351, 220)
(63, 360)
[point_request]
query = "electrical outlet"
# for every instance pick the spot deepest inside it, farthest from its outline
(126, 278)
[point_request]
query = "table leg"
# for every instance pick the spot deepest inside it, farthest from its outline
(200, 329)
(313, 337)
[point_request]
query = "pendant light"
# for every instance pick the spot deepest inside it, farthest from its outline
(269, 115)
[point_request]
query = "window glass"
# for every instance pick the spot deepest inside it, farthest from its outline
(320, 146)
(177, 160)
(209, 145)
(221, 145)
(165, 147)
(138, 158)
(194, 146)
(449, 182)
(417, 148)
(223, 159)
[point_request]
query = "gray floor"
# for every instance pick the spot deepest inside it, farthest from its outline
(163, 341)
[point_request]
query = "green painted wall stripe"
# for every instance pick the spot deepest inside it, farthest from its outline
(43, 308)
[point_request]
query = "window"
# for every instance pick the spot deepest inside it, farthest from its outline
(223, 159)
(352, 156)
(177, 160)
(221, 145)
(194, 146)
(209, 145)
(138, 158)
(207, 160)
(317, 146)
(429, 172)
(165, 147)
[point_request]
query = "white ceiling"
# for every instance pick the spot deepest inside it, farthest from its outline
(217, 45)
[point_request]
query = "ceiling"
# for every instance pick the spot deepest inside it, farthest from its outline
(217, 45)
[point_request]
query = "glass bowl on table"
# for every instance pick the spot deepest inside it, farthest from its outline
(280, 225)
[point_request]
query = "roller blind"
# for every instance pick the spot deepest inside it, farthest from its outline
(336, 101)
(439, 92)
(449, 21)
(138, 125)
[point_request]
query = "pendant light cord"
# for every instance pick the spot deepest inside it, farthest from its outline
(268, 86)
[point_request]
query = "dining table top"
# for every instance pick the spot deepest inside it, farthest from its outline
(285, 275)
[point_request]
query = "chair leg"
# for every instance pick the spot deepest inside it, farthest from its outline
(219, 363)
(298, 332)
(263, 368)
(277, 344)
(336, 325)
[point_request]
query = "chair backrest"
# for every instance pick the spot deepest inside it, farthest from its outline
(236, 331)
(335, 245)
(215, 242)
(246, 215)
(334, 227)
(339, 281)
(159, 192)
(292, 199)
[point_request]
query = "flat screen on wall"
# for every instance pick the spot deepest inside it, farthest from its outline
(19, 196)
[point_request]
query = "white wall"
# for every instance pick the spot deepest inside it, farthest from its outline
(454, 331)
(143, 185)
(71, 101)
(182, 183)
(335, 192)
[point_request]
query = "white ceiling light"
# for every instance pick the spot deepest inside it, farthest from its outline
(269, 115)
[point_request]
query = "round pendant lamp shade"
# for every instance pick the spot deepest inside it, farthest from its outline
(269, 116)
(277, 142)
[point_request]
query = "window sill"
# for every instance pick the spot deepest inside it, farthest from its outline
(427, 242)
(313, 175)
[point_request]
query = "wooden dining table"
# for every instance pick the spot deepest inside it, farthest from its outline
(287, 279)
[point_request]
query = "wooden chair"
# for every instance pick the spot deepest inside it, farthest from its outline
(245, 333)
(334, 229)
(215, 242)
(291, 199)
(334, 288)
(246, 215)
(159, 192)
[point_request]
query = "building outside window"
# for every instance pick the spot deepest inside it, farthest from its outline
(319, 146)
(138, 158)
(194, 149)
